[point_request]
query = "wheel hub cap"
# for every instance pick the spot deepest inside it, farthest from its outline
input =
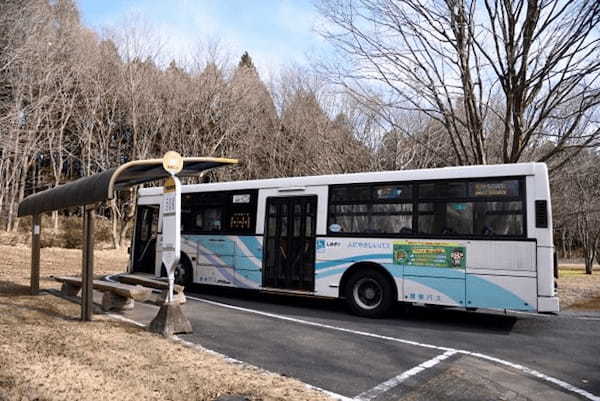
(368, 293)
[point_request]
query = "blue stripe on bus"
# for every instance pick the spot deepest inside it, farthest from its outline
(252, 275)
(452, 288)
(331, 263)
(428, 271)
(253, 245)
(247, 262)
(230, 276)
(485, 294)
(481, 292)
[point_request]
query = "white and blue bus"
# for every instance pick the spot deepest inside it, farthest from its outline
(470, 237)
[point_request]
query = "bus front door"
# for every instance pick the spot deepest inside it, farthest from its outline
(290, 243)
(144, 244)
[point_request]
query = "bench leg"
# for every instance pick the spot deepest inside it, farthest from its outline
(70, 290)
(112, 301)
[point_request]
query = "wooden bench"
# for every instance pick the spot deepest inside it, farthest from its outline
(146, 281)
(115, 296)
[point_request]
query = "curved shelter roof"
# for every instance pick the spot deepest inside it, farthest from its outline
(102, 186)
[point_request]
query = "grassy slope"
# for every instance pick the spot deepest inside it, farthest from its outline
(47, 354)
(578, 290)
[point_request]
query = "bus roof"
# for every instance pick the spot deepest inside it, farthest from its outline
(479, 171)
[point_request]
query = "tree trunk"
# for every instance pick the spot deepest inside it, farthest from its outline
(589, 255)
(588, 266)
(123, 231)
(55, 220)
(22, 184)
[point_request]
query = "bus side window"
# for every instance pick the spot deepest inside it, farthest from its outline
(498, 218)
(459, 217)
(212, 219)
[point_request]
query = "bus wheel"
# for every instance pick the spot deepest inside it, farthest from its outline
(183, 272)
(369, 293)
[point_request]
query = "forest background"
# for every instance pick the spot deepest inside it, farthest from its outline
(409, 84)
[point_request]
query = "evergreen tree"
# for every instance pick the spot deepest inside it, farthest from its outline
(246, 61)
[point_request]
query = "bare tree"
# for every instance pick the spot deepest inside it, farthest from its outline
(74, 102)
(33, 73)
(576, 205)
(452, 60)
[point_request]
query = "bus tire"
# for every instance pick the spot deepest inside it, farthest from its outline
(184, 272)
(369, 293)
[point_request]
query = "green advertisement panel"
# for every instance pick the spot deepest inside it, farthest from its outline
(430, 254)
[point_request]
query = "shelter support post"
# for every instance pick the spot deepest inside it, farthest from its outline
(88, 192)
(36, 232)
(87, 274)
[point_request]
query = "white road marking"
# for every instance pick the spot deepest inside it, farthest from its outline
(326, 326)
(535, 373)
(125, 319)
(200, 348)
(333, 395)
(518, 367)
(394, 381)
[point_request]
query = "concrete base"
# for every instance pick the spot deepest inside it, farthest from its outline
(161, 298)
(170, 320)
(178, 297)
(111, 301)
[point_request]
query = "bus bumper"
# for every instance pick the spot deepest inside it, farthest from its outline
(548, 304)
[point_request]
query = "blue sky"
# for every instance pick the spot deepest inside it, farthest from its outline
(274, 32)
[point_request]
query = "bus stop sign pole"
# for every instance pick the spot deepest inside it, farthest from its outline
(170, 318)
(171, 229)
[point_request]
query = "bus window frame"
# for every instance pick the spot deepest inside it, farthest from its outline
(416, 200)
(226, 212)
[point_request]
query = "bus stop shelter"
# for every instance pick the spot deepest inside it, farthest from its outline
(88, 192)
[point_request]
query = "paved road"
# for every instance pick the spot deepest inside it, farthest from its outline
(318, 342)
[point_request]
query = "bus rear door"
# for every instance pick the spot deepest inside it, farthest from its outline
(290, 243)
(144, 245)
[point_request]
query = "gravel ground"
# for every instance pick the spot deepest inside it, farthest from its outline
(47, 354)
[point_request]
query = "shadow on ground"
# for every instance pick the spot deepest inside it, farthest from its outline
(438, 318)
(11, 289)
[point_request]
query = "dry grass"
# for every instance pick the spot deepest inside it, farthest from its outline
(47, 354)
(578, 290)
(67, 235)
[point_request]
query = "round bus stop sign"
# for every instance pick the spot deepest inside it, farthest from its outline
(172, 162)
